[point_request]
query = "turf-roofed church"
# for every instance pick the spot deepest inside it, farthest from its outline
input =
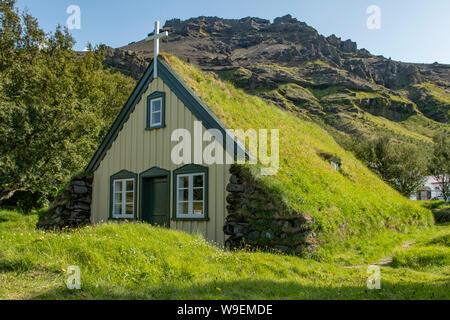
(134, 176)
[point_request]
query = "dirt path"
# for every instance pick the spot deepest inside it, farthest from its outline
(384, 261)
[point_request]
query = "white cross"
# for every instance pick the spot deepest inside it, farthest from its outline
(156, 36)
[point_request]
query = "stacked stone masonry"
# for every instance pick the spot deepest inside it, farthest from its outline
(71, 208)
(255, 219)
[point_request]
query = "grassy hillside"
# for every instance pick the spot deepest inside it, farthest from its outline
(353, 203)
(350, 112)
(432, 100)
(138, 261)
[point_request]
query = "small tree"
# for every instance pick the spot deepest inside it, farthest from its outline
(439, 165)
(407, 170)
(401, 165)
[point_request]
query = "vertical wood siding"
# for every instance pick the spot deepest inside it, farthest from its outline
(136, 149)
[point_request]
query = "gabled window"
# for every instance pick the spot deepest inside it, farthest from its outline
(155, 110)
(123, 195)
(191, 192)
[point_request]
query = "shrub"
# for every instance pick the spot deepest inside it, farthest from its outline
(442, 215)
(26, 201)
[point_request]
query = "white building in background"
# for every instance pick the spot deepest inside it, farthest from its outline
(430, 190)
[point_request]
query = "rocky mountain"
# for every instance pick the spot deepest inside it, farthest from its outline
(327, 79)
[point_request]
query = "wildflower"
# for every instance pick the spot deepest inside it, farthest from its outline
(218, 289)
(63, 270)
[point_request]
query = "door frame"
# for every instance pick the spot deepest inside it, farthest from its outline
(154, 172)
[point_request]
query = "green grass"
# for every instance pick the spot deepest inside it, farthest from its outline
(440, 209)
(438, 99)
(438, 93)
(424, 126)
(413, 129)
(353, 204)
(317, 62)
(435, 204)
(423, 257)
(395, 128)
(332, 90)
(428, 254)
(297, 93)
(138, 261)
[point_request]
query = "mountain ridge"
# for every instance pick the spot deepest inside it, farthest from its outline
(290, 64)
(295, 42)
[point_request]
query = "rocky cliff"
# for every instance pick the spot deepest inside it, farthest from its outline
(292, 65)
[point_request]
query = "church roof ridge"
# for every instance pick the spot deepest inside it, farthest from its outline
(176, 84)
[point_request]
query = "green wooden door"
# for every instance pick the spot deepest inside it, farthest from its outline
(155, 201)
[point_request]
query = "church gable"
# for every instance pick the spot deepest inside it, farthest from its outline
(135, 177)
(176, 85)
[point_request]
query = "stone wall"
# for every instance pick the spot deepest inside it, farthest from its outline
(258, 219)
(71, 208)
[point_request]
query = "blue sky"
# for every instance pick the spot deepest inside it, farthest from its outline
(411, 30)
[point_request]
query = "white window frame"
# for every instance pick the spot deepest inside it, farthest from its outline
(123, 203)
(152, 125)
(191, 200)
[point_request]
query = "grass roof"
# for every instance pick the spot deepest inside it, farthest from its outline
(350, 203)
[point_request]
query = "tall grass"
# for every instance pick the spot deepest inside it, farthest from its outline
(138, 261)
(431, 254)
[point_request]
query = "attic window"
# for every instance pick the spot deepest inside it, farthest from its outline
(155, 111)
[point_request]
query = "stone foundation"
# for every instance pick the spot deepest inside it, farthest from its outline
(71, 208)
(257, 219)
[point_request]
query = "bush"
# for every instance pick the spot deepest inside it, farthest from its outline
(433, 204)
(26, 201)
(442, 215)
